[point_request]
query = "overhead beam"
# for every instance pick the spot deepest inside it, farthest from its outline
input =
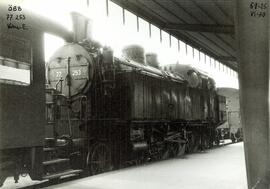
(215, 21)
(226, 58)
(226, 29)
(223, 11)
(202, 34)
(138, 11)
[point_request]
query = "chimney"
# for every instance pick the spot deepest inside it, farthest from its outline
(81, 27)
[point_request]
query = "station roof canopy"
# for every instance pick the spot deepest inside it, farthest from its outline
(207, 25)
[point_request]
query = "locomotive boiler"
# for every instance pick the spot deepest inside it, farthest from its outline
(104, 113)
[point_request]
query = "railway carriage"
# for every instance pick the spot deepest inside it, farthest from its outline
(232, 128)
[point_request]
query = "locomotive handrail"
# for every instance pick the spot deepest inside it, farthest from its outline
(148, 69)
(61, 86)
(152, 75)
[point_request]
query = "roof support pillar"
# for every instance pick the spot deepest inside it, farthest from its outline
(252, 30)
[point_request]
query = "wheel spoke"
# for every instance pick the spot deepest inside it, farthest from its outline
(100, 158)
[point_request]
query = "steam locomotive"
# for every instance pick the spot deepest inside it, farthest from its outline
(102, 112)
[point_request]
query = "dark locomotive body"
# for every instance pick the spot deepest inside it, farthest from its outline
(131, 107)
(104, 113)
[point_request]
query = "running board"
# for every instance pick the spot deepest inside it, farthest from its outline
(54, 161)
(47, 149)
(70, 172)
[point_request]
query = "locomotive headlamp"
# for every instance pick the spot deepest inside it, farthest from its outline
(59, 59)
(78, 57)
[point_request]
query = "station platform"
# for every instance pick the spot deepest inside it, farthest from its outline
(222, 168)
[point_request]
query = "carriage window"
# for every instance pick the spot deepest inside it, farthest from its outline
(14, 72)
(15, 60)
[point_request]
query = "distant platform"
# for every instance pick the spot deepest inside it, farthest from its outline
(221, 168)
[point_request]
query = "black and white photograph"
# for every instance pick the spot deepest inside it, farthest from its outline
(134, 94)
